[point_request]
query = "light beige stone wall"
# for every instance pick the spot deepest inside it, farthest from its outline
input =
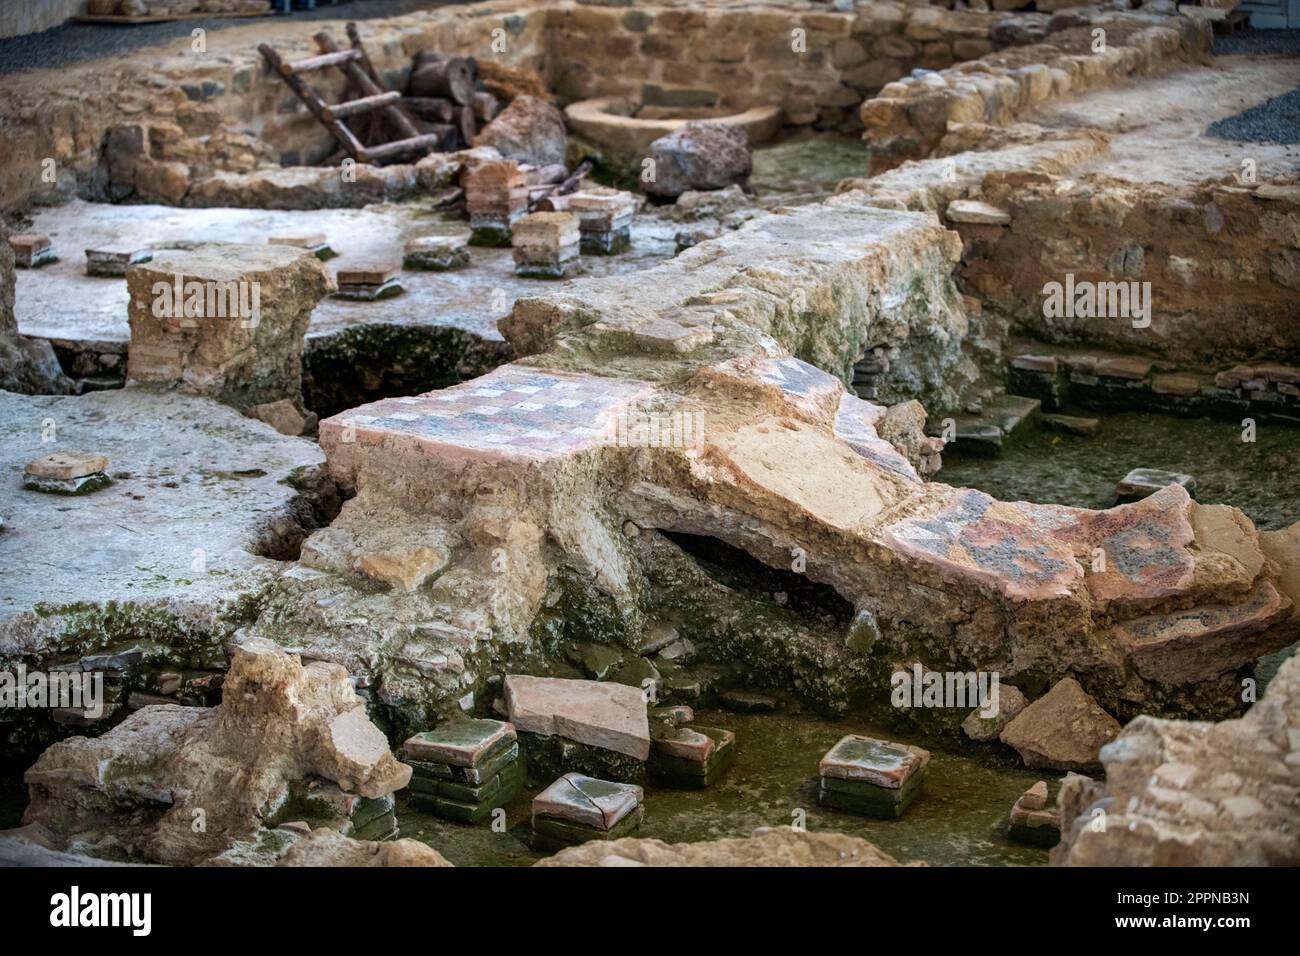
(819, 64)
(909, 118)
(209, 109)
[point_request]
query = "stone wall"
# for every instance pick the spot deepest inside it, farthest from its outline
(33, 16)
(223, 112)
(1223, 263)
(214, 111)
(910, 118)
(1187, 793)
(816, 62)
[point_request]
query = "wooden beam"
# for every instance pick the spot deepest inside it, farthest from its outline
(314, 103)
(399, 117)
(333, 58)
(423, 141)
(363, 105)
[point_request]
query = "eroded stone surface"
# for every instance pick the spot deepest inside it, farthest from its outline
(280, 723)
(224, 320)
(1193, 793)
(198, 493)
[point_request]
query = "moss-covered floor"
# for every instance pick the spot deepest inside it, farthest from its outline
(958, 820)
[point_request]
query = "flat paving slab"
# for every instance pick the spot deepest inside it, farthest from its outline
(462, 743)
(193, 486)
(599, 714)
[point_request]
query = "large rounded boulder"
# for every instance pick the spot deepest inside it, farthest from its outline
(698, 156)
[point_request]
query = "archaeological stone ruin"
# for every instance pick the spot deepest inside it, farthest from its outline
(695, 434)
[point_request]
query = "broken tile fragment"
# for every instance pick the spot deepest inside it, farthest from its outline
(313, 242)
(1141, 482)
(657, 636)
(597, 661)
(747, 702)
(1127, 367)
(1201, 643)
(283, 415)
(1031, 821)
(672, 715)
(981, 728)
(974, 211)
(1072, 424)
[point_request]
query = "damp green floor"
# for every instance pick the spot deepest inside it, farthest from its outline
(1260, 478)
(958, 820)
(806, 168)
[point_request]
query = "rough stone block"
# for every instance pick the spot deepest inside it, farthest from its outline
(224, 320)
(1062, 730)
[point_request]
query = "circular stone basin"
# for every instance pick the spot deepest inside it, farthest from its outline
(622, 126)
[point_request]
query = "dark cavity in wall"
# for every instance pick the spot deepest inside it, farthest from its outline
(367, 363)
(742, 572)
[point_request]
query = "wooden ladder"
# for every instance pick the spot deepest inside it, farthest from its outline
(355, 65)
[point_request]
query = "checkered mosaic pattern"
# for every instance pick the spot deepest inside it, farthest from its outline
(512, 411)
